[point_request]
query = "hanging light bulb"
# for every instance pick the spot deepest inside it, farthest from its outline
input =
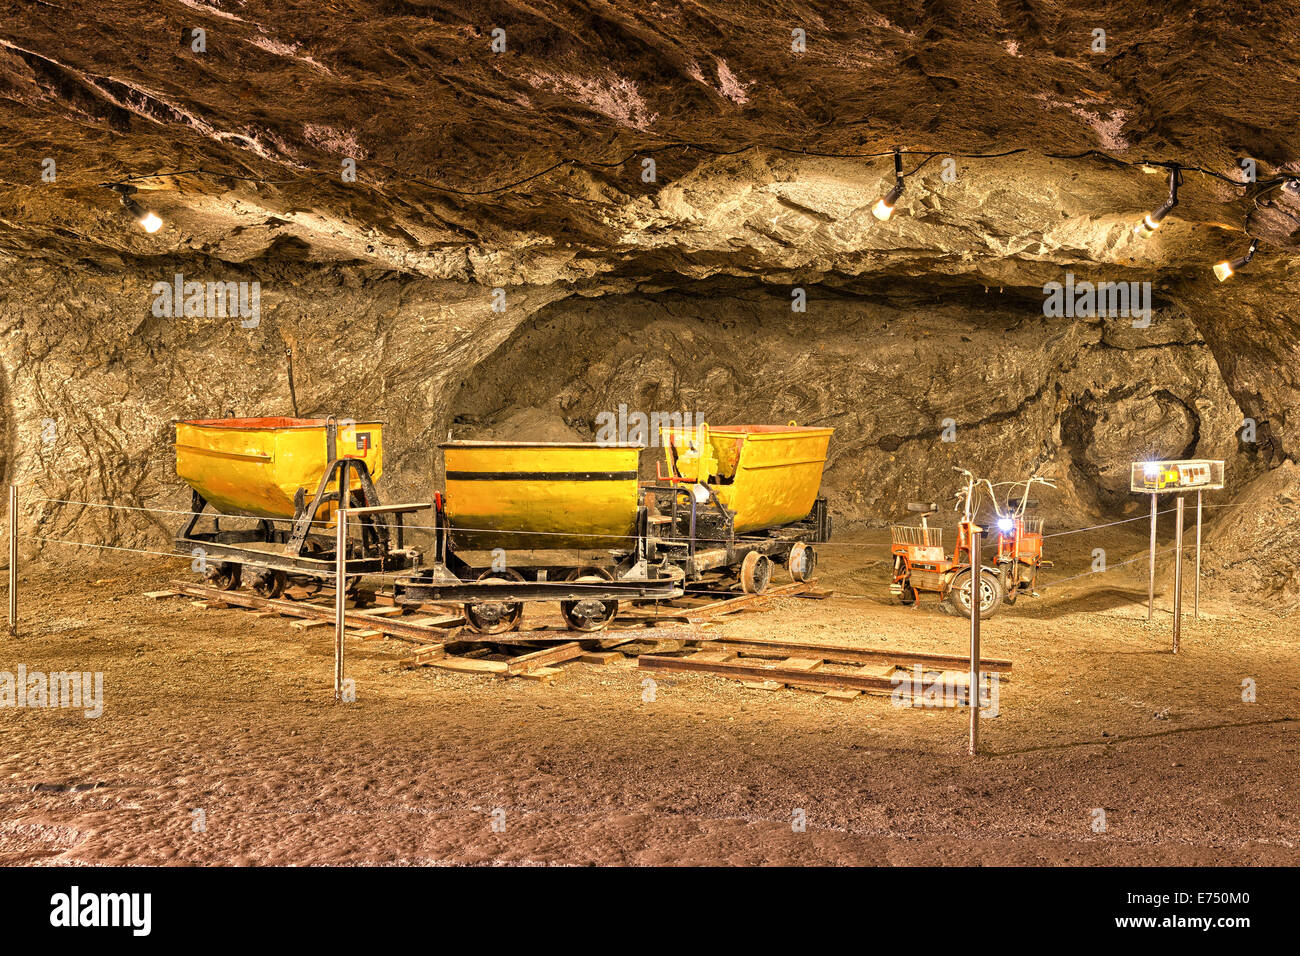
(146, 219)
(1151, 221)
(884, 207)
(1225, 270)
(150, 222)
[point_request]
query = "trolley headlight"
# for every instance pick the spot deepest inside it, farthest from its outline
(701, 493)
(1006, 525)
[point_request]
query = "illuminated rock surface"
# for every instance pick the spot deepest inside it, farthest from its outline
(667, 296)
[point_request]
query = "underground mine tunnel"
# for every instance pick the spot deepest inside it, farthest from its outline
(851, 255)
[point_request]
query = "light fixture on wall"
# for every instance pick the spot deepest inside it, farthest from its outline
(884, 207)
(146, 219)
(1225, 270)
(1151, 221)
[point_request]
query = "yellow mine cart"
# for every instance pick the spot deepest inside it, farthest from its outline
(256, 466)
(768, 475)
(740, 497)
(541, 495)
(283, 475)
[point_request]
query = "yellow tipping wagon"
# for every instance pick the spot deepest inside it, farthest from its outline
(285, 474)
(768, 475)
(539, 521)
(744, 494)
(521, 520)
(257, 466)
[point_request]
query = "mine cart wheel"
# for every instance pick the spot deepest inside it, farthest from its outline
(311, 585)
(755, 573)
(269, 584)
(590, 614)
(495, 617)
(990, 594)
(224, 576)
(803, 560)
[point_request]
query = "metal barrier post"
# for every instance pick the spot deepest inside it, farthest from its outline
(973, 683)
(1151, 567)
(13, 560)
(1178, 572)
(1196, 593)
(341, 576)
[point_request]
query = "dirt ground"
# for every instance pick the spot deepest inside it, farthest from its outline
(221, 712)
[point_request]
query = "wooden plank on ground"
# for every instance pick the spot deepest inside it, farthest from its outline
(842, 694)
(423, 655)
(393, 627)
(385, 611)
(727, 605)
(759, 670)
(550, 655)
(161, 594)
(854, 655)
(442, 620)
(802, 663)
(468, 665)
(601, 658)
(541, 673)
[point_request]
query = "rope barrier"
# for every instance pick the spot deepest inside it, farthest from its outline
(106, 547)
(595, 585)
(557, 534)
(1109, 567)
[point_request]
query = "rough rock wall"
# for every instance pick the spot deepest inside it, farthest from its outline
(1077, 400)
(1251, 546)
(96, 381)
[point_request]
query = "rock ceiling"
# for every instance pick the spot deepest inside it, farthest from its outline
(415, 95)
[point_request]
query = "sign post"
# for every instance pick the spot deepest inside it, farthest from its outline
(1151, 565)
(1196, 594)
(1159, 477)
(973, 682)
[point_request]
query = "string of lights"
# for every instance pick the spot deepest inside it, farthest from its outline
(883, 208)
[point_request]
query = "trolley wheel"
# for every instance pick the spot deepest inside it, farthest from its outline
(990, 594)
(1010, 587)
(589, 614)
(312, 586)
(269, 584)
(908, 597)
(495, 617)
(803, 559)
(755, 573)
(224, 576)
